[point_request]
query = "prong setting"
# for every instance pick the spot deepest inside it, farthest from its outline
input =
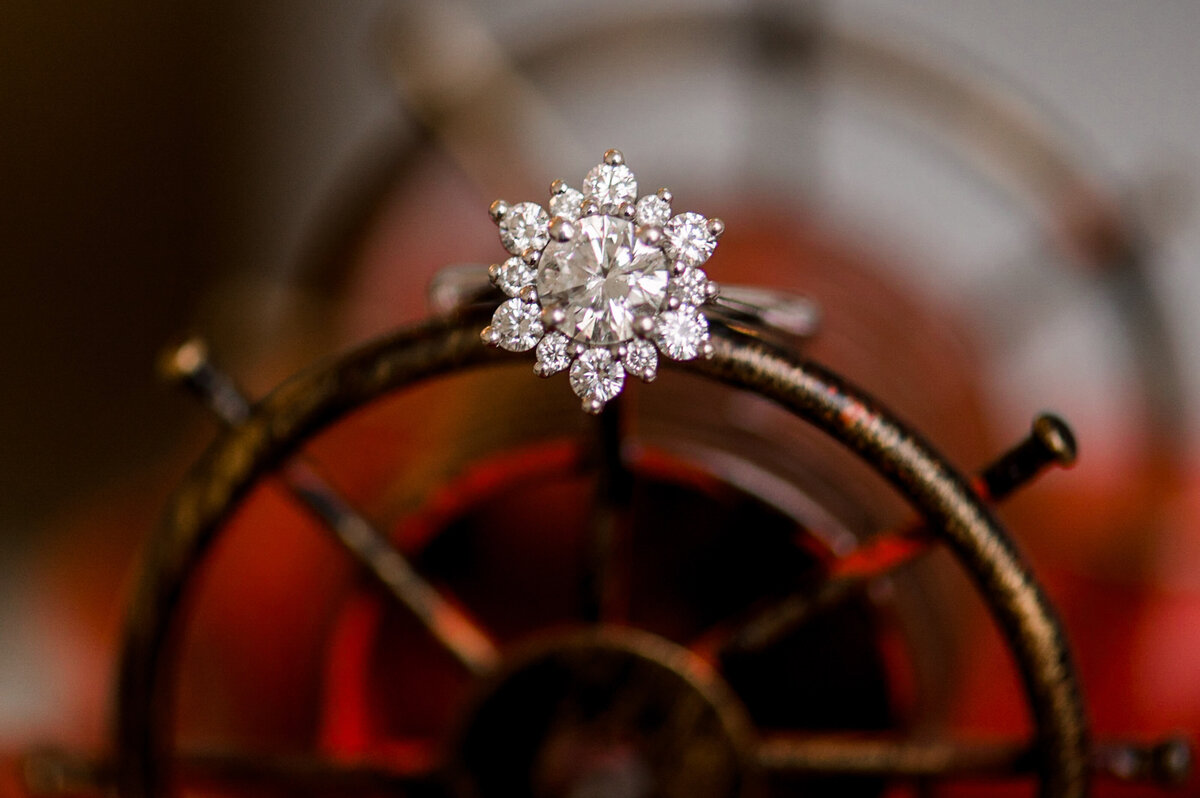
(553, 317)
(650, 235)
(561, 229)
(498, 210)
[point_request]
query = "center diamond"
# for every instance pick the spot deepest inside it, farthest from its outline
(603, 279)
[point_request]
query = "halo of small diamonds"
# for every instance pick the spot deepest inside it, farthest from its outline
(603, 281)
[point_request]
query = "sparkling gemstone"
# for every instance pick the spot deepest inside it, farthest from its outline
(680, 333)
(518, 325)
(610, 184)
(653, 209)
(597, 374)
(566, 204)
(604, 278)
(641, 359)
(690, 287)
(514, 275)
(552, 355)
(688, 239)
(524, 227)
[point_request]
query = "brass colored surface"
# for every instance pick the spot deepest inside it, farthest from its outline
(317, 398)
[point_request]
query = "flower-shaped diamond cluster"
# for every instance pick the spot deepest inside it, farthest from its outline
(602, 281)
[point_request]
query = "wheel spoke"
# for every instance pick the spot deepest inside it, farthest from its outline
(449, 625)
(1050, 442)
(304, 773)
(189, 365)
(832, 755)
(604, 582)
(845, 578)
(55, 772)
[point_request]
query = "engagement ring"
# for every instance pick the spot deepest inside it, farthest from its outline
(602, 281)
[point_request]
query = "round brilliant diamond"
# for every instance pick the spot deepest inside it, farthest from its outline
(595, 374)
(688, 239)
(524, 227)
(690, 287)
(653, 210)
(566, 204)
(610, 184)
(680, 333)
(641, 359)
(552, 355)
(603, 279)
(518, 325)
(514, 275)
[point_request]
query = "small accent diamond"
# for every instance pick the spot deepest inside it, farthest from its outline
(653, 210)
(552, 355)
(596, 375)
(518, 325)
(688, 239)
(524, 227)
(514, 275)
(680, 333)
(641, 359)
(610, 185)
(690, 287)
(566, 204)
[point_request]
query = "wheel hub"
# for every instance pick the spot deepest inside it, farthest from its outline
(614, 713)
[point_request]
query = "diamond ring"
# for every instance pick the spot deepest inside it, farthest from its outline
(601, 281)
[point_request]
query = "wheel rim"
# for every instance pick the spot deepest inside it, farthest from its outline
(317, 398)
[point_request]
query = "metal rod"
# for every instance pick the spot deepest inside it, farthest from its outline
(903, 759)
(1167, 762)
(1050, 442)
(188, 365)
(60, 773)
